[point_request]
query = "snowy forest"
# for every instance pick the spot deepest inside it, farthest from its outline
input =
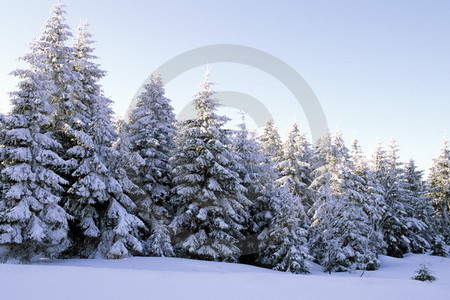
(75, 182)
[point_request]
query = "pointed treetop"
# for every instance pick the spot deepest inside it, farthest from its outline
(206, 85)
(56, 32)
(393, 151)
(293, 128)
(58, 13)
(58, 9)
(207, 72)
(356, 151)
(156, 79)
(82, 31)
(356, 145)
(205, 103)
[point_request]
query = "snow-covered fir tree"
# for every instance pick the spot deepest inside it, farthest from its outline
(321, 164)
(57, 60)
(283, 244)
(32, 223)
(388, 171)
(271, 145)
(210, 202)
(421, 221)
(255, 175)
(270, 153)
(340, 231)
(51, 56)
(151, 132)
(358, 233)
(323, 154)
(439, 190)
(280, 213)
(99, 197)
(295, 166)
(371, 192)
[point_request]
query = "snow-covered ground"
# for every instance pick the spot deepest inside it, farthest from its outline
(174, 278)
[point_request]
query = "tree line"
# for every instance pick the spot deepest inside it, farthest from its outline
(74, 182)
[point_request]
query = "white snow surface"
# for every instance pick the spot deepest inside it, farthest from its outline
(175, 278)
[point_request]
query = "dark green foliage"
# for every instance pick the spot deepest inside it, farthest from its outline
(424, 274)
(439, 246)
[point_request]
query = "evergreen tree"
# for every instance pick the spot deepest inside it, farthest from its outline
(32, 223)
(57, 61)
(424, 274)
(439, 191)
(439, 246)
(420, 211)
(99, 196)
(255, 175)
(358, 233)
(340, 229)
(283, 244)
(271, 146)
(151, 131)
(295, 166)
(321, 163)
(280, 213)
(270, 153)
(371, 192)
(388, 172)
(211, 207)
(52, 58)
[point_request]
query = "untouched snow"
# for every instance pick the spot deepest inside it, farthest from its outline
(174, 278)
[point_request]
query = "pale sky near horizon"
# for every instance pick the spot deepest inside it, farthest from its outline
(380, 69)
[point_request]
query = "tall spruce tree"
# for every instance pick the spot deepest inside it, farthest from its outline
(211, 207)
(388, 172)
(295, 166)
(358, 233)
(420, 219)
(57, 60)
(270, 152)
(151, 132)
(32, 223)
(371, 191)
(99, 195)
(271, 146)
(340, 229)
(254, 173)
(283, 221)
(51, 57)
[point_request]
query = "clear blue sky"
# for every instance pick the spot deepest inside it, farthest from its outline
(380, 69)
